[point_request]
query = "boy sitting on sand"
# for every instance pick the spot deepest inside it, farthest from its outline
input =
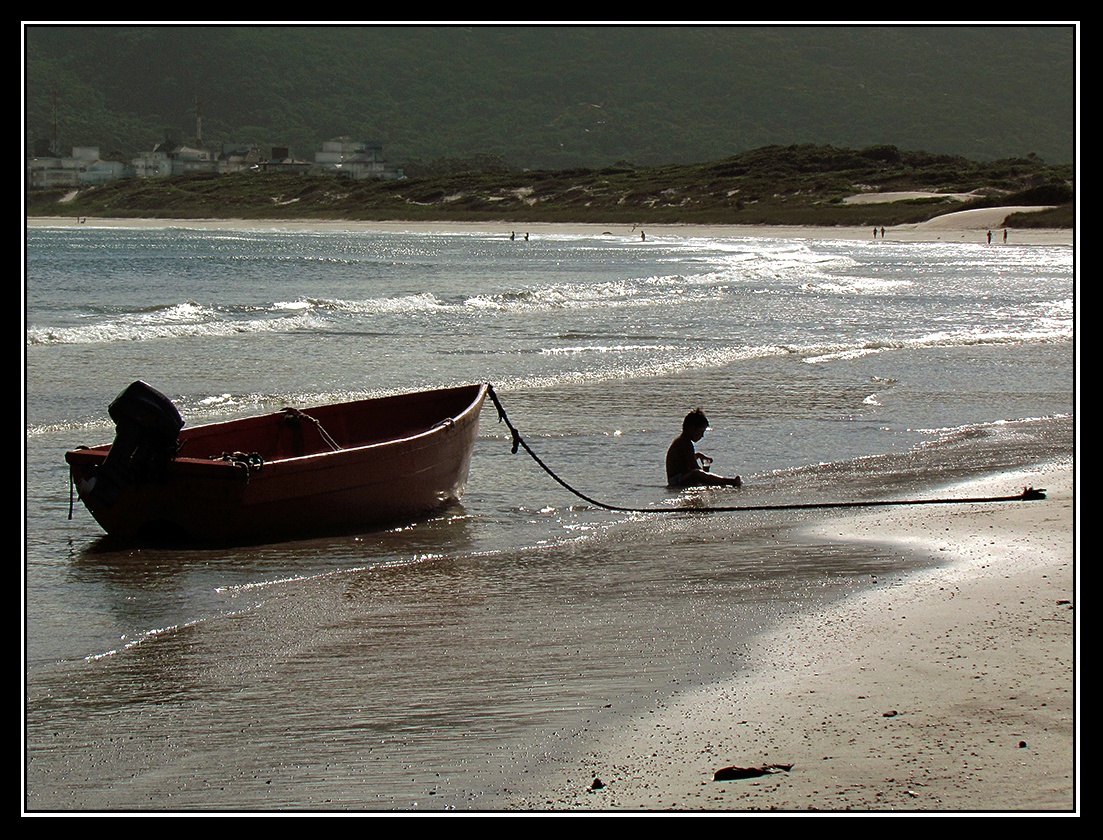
(685, 467)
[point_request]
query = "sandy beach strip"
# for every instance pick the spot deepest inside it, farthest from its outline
(952, 690)
(964, 226)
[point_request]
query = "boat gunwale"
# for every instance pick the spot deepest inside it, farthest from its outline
(100, 451)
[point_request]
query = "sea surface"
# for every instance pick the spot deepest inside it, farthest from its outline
(440, 663)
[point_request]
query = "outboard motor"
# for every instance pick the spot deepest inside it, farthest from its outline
(146, 427)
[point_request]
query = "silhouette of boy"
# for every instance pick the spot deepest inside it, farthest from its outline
(685, 467)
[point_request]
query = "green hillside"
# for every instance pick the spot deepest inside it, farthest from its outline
(553, 97)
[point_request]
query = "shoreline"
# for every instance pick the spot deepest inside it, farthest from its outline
(825, 712)
(967, 226)
(952, 689)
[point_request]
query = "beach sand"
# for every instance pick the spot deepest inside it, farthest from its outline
(964, 226)
(948, 690)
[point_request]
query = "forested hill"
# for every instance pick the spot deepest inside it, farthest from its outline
(555, 97)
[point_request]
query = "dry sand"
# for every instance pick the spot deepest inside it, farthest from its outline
(949, 690)
(964, 226)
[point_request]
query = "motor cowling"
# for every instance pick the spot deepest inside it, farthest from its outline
(147, 425)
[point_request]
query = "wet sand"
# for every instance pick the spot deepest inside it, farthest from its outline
(949, 690)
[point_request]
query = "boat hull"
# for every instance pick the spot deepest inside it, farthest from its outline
(279, 475)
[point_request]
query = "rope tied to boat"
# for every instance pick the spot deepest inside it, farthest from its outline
(294, 414)
(248, 461)
(72, 488)
(1028, 493)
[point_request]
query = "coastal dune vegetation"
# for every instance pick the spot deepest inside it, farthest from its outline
(773, 185)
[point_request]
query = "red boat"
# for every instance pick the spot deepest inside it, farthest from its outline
(292, 473)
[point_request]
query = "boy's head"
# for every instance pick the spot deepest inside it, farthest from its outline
(695, 421)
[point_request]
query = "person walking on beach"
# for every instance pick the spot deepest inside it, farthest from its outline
(686, 467)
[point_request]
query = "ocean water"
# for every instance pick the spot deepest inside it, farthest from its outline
(434, 664)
